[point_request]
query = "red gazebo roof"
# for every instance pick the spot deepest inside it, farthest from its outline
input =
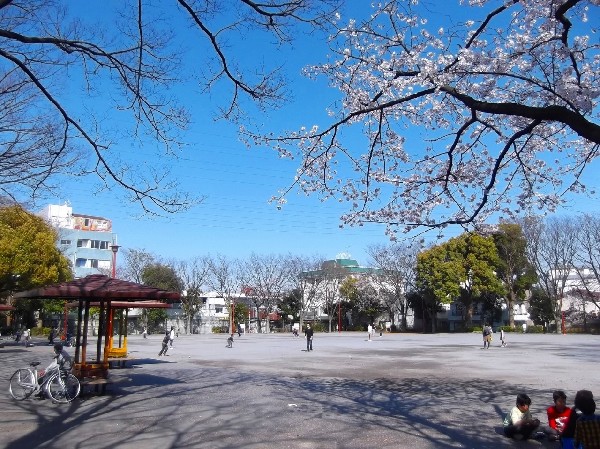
(98, 287)
(130, 304)
(5, 307)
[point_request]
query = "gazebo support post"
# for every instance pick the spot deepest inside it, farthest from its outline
(78, 344)
(101, 330)
(126, 326)
(108, 336)
(86, 319)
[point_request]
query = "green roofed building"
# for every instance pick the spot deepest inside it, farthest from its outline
(322, 300)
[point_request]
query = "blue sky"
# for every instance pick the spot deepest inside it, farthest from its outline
(236, 218)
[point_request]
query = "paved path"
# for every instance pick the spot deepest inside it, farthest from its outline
(397, 391)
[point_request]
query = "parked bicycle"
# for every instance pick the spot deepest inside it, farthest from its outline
(60, 386)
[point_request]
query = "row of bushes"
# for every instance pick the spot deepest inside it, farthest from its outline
(35, 331)
(532, 329)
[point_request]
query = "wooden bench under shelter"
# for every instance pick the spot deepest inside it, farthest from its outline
(110, 295)
(99, 384)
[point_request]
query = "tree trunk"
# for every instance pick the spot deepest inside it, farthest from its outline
(558, 314)
(469, 313)
(510, 303)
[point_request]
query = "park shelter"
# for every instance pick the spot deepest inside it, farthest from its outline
(122, 310)
(108, 294)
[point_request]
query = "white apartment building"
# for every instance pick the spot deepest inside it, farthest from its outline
(86, 240)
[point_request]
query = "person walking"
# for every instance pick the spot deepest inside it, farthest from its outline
(309, 337)
(487, 336)
(502, 337)
(165, 344)
(26, 336)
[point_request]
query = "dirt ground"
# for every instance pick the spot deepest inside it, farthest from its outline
(397, 391)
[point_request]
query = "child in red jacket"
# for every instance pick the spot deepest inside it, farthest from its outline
(558, 414)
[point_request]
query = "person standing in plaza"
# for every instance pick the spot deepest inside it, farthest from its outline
(309, 337)
(26, 336)
(171, 336)
(487, 336)
(370, 331)
(502, 337)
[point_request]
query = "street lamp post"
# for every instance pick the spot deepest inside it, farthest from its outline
(232, 321)
(115, 249)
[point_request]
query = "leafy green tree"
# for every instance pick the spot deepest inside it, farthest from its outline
(29, 258)
(463, 268)
(291, 304)
(164, 277)
(350, 297)
(362, 299)
(240, 313)
(426, 306)
(161, 276)
(514, 269)
(540, 307)
(369, 303)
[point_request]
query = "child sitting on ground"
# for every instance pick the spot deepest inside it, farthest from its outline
(230, 341)
(519, 423)
(558, 414)
(587, 428)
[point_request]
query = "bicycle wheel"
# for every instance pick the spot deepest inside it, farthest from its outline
(63, 387)
(22, 384)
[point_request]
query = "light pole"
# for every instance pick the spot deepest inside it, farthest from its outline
(232, 322)
(115, 249)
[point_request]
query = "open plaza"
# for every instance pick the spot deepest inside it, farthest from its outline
(397, 391)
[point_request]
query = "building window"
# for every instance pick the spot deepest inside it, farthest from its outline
(65, 242)
(99, 244)
(218, 309)
(80, 262)
(94, 263)
(83, 243)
